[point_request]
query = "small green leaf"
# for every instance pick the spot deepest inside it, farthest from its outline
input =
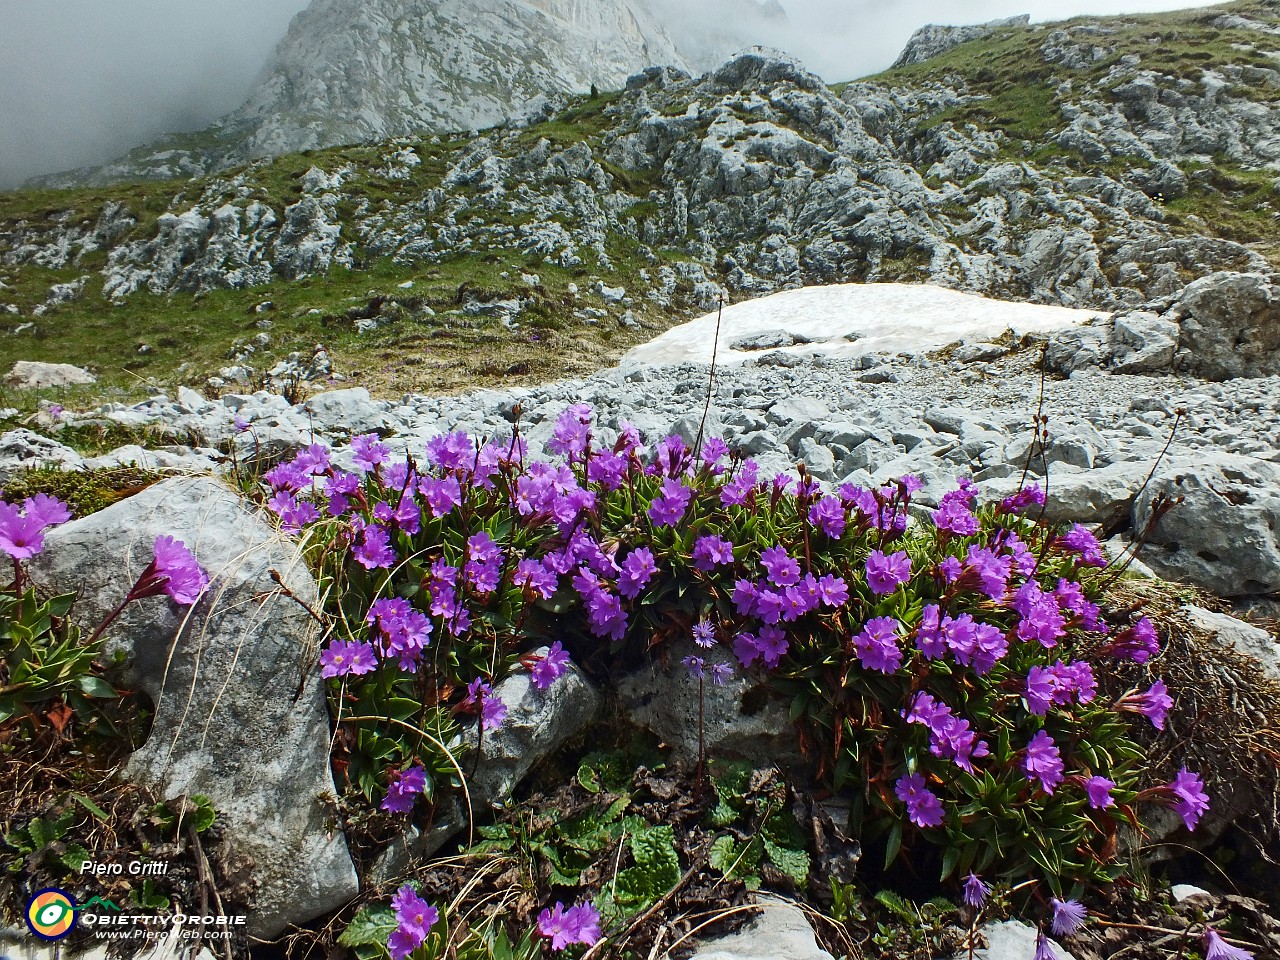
(371, 926)
(893, 845)
(92, 807)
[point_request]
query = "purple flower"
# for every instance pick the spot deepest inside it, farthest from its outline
(1215, 948)
(1068, 916)
(955, 516)
(404, 788)
(184, 581)
(637, 570)
(46, 510)
(572, 431)
(877, 645)
(1039, 690)
(828, 515)
(532, 574)
(414, 920)
(1043, 762)
(492, 710)
(1080, 540)
(347, 658)
(773, 645)
(1138, 642)
(1190, 799)
(1099, 791)
(886, 573)
(550, 668)
(667, 508)
(374, 550)
(783, 571)
(832, 590)
(451, 451)
(975, 892)
(55, 411)
(695, 666)
(1024, 498)
(711, 551)
(578, 924)
(584, 919)
(713, 449)
(704, 633)
(20, 537)
(240, 423)
(367, 452)
(721, 673)
(924, 809)
(1153, 704)
(1044, 949)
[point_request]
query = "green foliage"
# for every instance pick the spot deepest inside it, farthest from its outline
(46, 673)
(198, 811)
(752, 806)
(368, 931)
(655, 871)
(84, 491)
(560, 846)
(147, 896)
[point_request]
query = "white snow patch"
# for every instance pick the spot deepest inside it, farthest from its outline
(854, 319)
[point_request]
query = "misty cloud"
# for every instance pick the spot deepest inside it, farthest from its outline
(87, 80)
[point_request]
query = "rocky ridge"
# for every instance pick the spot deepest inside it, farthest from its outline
(1146, 172)
(358, 72)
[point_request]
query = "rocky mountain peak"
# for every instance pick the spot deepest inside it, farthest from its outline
(933, 39)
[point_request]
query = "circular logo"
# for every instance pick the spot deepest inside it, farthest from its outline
(51, 914)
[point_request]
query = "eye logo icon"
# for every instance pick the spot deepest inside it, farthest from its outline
(51, 914)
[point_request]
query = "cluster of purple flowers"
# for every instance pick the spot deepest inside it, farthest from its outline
(22, 528)
(506, 534)
(414, 920)
(577, 924)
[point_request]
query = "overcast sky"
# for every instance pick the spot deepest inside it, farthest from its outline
(83, 81)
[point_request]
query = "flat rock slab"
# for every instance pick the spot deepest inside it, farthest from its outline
(851, 320)
(781, 932)
(1010, 940)
(238, 715)
(33, 374)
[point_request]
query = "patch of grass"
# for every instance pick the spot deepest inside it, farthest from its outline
(84, 491)
(1233, 203)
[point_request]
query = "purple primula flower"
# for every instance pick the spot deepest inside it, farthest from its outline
(704, 633)
(1026, 497)
(584, 920)
(46, 510)
(404, 788)
(1044, 949)
(975, 892)
(1190, 799)
(294, 514)
(367, 452)
(950, 568)
(886, 573)
(344, 658)
(20, 537)
(556, 927)
(637, 570)
(991, 570)
(668, 508)
(1068, 916)
(782, 569)
(492, 710)
(572, 433)
(551, 667)
(721, 673)
(414, 920)
(713, 450)
(374, 551)
(695, 666)
(877, 645)
(989, 647)
(1039, 690)
(773, 645)
(955, 517)
(924, 809)
(1154, 703)
(183, 580)
(533, 575)
(930, 639)
(832, 590)
(1215, 948)
(1080, 540)
(1138, 643)
(711, 551)
(1042, 762)
(746, 647)
(1099, 790)
(828, 515)
(608, 469)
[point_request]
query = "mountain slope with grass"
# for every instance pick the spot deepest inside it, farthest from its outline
(1099, 163)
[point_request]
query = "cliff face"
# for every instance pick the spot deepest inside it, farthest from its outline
(353, 71)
